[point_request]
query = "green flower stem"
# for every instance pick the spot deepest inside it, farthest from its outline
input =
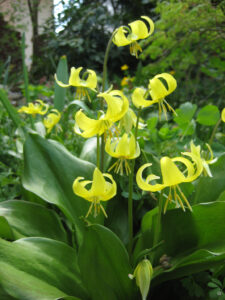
(214, 132)
(98, 152)
(130, 197)
(158, 222)
(104, 78)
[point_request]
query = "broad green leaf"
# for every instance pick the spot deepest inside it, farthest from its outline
(208, 189)
(62, 75)
(209, 115)
(185, 113)
(39, 269)
(5, 229)
(104, 265)
(30, 219)
(68, 298)
(49, 172)
(194, 241)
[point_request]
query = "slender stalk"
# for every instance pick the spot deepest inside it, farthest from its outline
(130, 197)
(214, 132)
(158, 222)
(98, 151)
(104, 79)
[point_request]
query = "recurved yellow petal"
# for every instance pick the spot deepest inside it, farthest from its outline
(170, 173)
(138, 98)
(144, 184)
(98, 185)
(157, 88)
(223, 115)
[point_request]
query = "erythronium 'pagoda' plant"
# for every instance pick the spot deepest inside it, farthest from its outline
(101, 190)
(123, 148)
(85, 256)
(129, 36)
(82, 84)
(33, 109)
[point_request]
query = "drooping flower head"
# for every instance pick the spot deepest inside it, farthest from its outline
(196, 150)
(100, 190)
(171, 177)
(117, 107)
(81, 84)
(52, 119)
(123, 148)
(137, 30)
(159, 90)
(33, 109)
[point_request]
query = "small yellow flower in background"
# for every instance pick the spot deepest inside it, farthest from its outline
(123, 148)
(124, 67)
(172, 177)
(101, 190)
(159, 91)
(196, 150)
(223, 115)
(52, 119)
(172, 72)
(129, 121)
(125, 81)
(33, 109)
(81, 84)
(129, 36)
(143, 274)
(117, 107)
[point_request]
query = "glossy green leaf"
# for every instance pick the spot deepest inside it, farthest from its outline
(194, 241)
(104, 265)
(49, 172)
(39, 269)
(30, 219)
(62, 75)
(5, 229)
(185, 113)
(208, 189)
(209, 115)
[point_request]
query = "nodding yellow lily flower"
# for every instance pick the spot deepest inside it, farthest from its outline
(52, 119)
(117, 107)
(100, 190)
(33, 109)
(171, 177)
(129, 121)
(223, 115)
(196, 150)
(143, 274)
(137, 30)
(80, 83)
(159, 91)
(138, 98)
(123, 148)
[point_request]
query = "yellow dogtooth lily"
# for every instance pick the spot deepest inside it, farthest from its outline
(196, 150)
(81, 84)
(100, 190)
(52, 119)
(137, 30)
(158, 91)
(143, 274)
(123, 148)
(117, 107)
(172, 177)
(33, 109)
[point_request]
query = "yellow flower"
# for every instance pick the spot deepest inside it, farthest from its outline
(125, 81)
(159, 91)
(129, 121)
(34, 109)
(223, 115)
(143, 274)
(117, 107)
(123, 148)
(52, 119)
(138, 98)
(124, 67)
(196, 150)
(171, 177)
(81, 84)
(101, 190)
(137, 31)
